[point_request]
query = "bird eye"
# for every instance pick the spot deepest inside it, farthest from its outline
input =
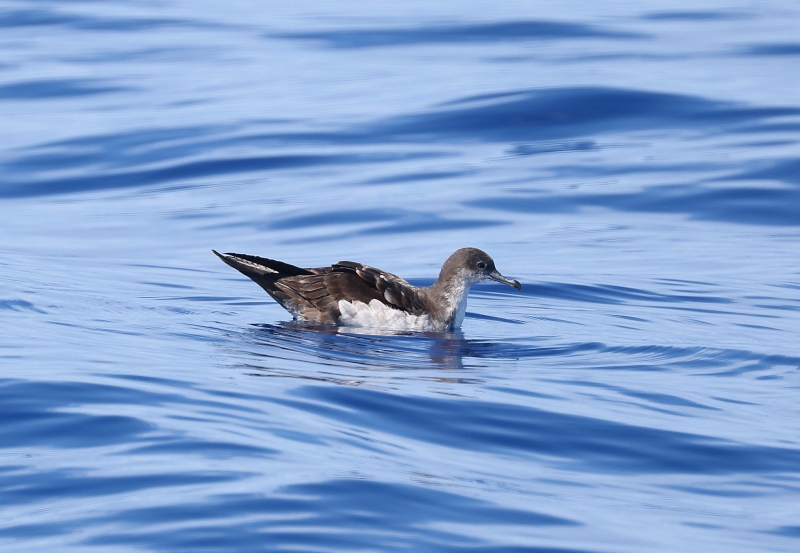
(481, 265)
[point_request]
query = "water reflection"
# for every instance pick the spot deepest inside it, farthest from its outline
(366, 350)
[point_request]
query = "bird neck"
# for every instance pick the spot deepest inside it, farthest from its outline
(448, 297)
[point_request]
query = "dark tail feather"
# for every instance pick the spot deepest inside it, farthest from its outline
(261, 265)
(262, 270)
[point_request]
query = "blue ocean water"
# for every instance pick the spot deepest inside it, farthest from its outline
(635, 165)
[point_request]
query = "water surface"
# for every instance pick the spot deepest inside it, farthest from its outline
(634, 166)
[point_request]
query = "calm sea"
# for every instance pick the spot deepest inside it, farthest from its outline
(636, 165)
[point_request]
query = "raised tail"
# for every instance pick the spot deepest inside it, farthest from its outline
(263, 271)
(261, 265)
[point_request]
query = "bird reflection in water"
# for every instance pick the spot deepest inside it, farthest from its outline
(347, 356)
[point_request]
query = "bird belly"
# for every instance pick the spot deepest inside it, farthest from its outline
(378, 315)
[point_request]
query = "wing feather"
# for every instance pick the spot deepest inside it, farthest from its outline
(315, 293)
(391, 289)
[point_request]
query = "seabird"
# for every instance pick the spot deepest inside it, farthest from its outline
(353, 294)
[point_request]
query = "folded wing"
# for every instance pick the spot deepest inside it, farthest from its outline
(391, 289)
(314, 294)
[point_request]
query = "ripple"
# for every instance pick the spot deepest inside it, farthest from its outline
(338, 514)
(56, 88)
(511, 31)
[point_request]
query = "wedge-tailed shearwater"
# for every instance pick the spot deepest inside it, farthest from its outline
(353, 294)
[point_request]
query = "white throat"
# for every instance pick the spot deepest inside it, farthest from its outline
(455, 296)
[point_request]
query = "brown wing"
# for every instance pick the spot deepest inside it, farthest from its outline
(349, 281)
(276, 278)
(388, 288)
(316, 297)
(315, 293)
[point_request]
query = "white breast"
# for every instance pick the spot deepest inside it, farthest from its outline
(380, 316)
(456, 297)
(461, 310)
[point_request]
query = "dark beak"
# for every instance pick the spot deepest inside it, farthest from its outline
(494, 275)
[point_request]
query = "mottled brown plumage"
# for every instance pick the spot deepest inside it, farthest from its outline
(355, 294)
